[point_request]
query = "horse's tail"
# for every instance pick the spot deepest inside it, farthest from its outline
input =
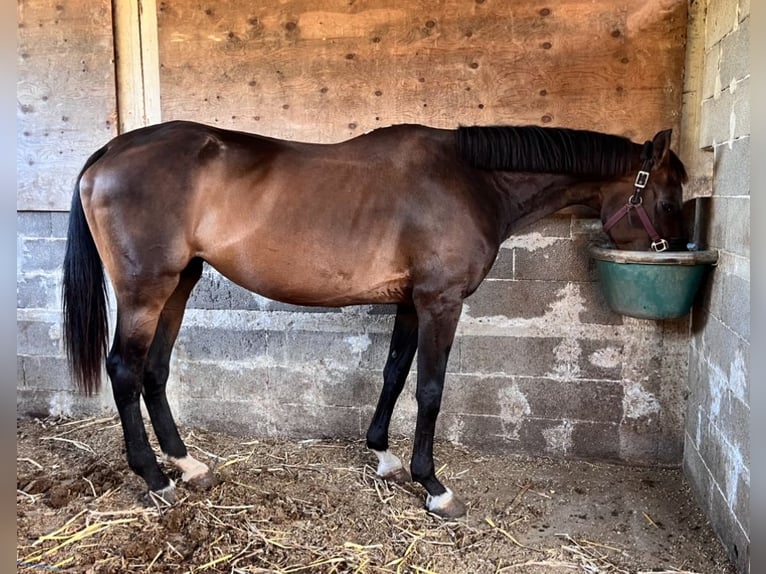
(84, 296)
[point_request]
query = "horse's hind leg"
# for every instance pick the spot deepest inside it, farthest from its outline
(139, 305)
(156, 373)
(404, 342)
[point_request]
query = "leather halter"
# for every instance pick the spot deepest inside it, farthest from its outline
(635, 201)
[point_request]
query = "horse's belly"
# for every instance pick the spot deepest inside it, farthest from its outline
(308, 281)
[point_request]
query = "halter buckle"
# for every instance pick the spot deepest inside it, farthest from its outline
(660, 246)
(642, 178)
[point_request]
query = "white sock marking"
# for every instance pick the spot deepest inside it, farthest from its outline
(190, 466)
(387, 462)
(434, 503)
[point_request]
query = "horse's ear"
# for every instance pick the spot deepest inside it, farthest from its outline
(661, 147)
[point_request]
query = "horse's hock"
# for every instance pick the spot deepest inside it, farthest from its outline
(540, 364)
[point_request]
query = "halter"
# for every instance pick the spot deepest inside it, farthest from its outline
(635, 201)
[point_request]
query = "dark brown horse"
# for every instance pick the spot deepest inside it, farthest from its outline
(408, 215)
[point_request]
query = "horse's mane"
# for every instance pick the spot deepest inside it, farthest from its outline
(537, 149)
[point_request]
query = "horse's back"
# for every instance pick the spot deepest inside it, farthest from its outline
(319, 224)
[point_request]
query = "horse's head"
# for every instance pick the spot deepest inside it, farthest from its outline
(642, 209)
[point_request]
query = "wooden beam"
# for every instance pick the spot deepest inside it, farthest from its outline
(137, 63)
(150, 60)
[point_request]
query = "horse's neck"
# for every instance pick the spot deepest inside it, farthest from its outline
(526, 198)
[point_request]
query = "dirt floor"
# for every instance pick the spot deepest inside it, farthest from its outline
(316, 506)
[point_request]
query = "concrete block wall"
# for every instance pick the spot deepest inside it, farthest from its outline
(540, 365)
(717, 445)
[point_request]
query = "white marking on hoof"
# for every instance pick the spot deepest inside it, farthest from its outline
(388, 464)
(446, 505)
(440, 502)
(190, 467)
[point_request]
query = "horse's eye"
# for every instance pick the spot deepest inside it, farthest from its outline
(667, 206)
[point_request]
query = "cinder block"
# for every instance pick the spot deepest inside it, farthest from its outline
(735, 304)
(709, 295)
(596, 309)
(503, 265)
(482, 430)
(601, 358)
(715, 120)
(59, 224)
(711, 81)
(324, 387)
(599, 441)
(718, 457)
(43, 403)
(330, 350)
(220, 380)
(38, 338)
(727, 117)
(564, 260)
(556, 225)
(741, 108)
(382, 310)
(590, 227)
(38, 292)
(699, 388)
(735, 54)
(699, 478)
(647, 444)
(33, 223)
(44, 373)
(581, 401)
(474, 395)
(46, 255)
(727, 230)
(730, 532)
(222, 344)
(730, 518)
(375, 357)
(239, 418)
(514, 299)
(517, 356)
(319, 421)
(732, 168)
(214, 291)
(734, 426)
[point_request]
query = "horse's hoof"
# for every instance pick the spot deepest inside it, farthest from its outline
(163, 497)
(397, 476)
(446, 505)
(204, 481)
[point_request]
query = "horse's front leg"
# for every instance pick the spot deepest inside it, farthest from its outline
(438, 315)
(404, 342)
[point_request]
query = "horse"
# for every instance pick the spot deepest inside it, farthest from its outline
(407, 215)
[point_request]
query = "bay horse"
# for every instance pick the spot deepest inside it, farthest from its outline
(408, 215)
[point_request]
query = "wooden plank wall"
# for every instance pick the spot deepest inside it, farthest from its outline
(66, 105)
(326, 70)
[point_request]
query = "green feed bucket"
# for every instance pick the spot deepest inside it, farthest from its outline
(650, 285)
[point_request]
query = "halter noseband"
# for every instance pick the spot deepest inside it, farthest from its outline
(635, 201)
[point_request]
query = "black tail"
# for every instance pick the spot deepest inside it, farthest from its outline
(84, 297)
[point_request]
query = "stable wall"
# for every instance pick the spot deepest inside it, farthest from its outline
(540, 365)
(717, 443)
